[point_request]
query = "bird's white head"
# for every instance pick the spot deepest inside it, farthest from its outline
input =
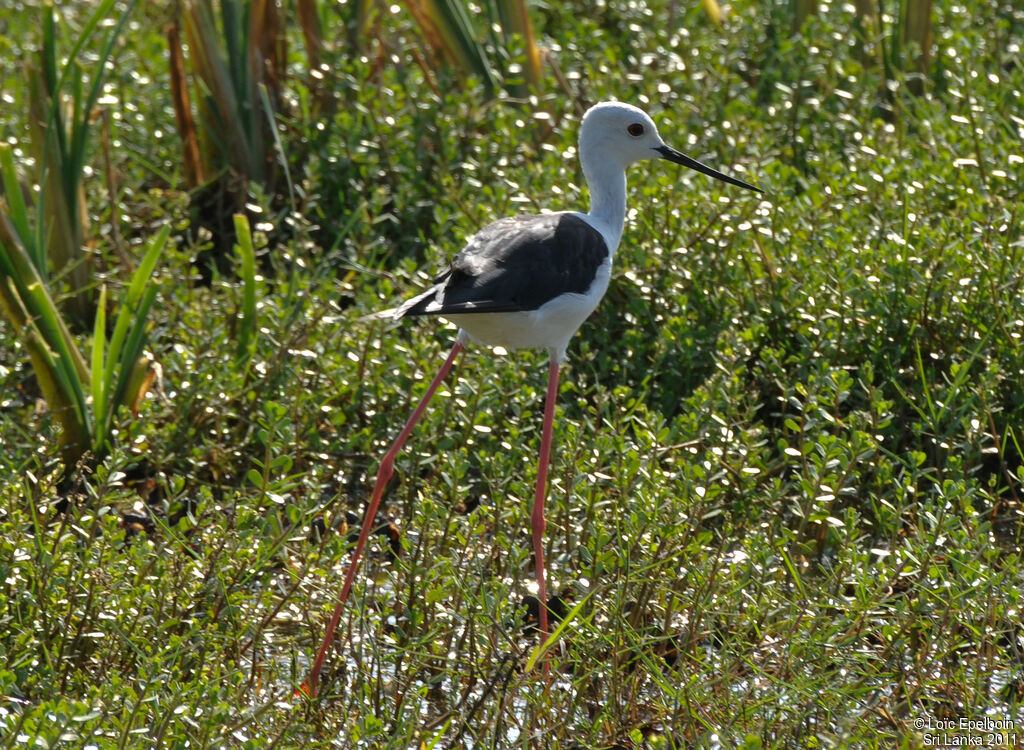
(620, 134)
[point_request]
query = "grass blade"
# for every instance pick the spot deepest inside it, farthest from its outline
(446, 26)
(133, 347)
(99, 381)
(83, 120)
(542, 648)
(15, 208)
(131, 318)
(246, 331)
(515, 21)
(34, 298)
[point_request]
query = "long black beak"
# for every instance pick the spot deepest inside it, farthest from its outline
(679, 158)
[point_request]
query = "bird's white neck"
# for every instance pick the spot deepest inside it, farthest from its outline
(607, 182)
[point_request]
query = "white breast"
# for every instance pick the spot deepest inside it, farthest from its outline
(550, 326)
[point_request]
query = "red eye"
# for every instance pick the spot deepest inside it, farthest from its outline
(635, 130)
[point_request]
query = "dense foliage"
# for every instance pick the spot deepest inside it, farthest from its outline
(787, 473)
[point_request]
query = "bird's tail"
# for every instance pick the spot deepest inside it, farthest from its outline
(395, 314)
(388, 316)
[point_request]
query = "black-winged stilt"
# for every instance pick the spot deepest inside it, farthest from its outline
(530, 282)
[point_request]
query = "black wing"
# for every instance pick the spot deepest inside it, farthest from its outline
(516, 264)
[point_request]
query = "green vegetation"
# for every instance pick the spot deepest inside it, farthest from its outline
(787, 474)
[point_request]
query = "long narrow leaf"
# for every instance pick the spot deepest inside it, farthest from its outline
(101, 12)
(55, 359)
(515, 20)
(129, 357)
(542, 647)
(713, 10)
(145, 373)
(128, 315)
(268, 112)
(80, 127)
(232, 24)
(49, 57)
(916, 33)
(447, 28)
(194, 172)
(209, 64)
(264, 58)
(141, 276)
(61, 386)
(248, 256)
(99, 340)
(45, 142)
(43, 365)
(63, 393)
(312, 34)
(134, 345)
(45, 316)
(61, 114)
(16, 208)
(36, 300)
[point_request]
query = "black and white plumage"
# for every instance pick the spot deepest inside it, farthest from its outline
(521, 282)
(530, 282)
(516, 264)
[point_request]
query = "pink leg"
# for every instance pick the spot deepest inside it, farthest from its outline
(387, 468)
(537, 521)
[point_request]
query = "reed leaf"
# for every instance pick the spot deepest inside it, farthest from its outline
(222, 136)
(84, 400)
(56, 372)
(449, 32)
(60, 118)
(16, 209)
(128, 338)
(99, 341)
(247, 328)
(447, 29)
(194, 172)
(312, 33)
(802, 10)
(17, 266)
(916, 35)
(713, 11)
(63, 392)
(231, 61)
(515, 23)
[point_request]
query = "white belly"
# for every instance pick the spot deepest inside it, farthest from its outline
(550, 326)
